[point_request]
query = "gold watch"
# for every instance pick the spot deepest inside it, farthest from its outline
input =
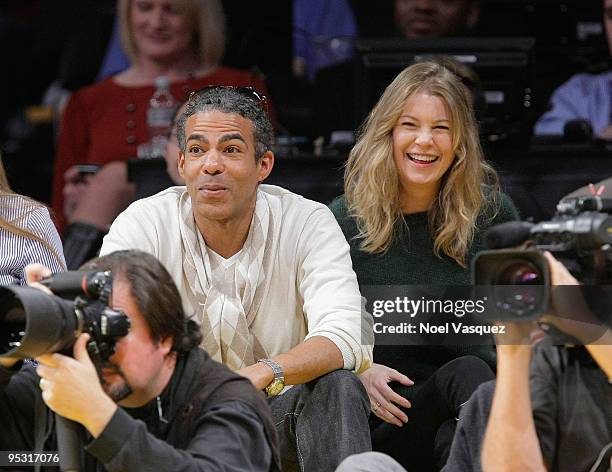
(278, 382)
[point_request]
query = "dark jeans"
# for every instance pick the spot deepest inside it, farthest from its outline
(423, 444)
(322, 422)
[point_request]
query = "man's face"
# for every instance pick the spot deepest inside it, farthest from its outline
(434, 18)
(139, 363)
(219, 166)
(607, 17)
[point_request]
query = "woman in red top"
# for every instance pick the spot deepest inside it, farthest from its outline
(182, 40)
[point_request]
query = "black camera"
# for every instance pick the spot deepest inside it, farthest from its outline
(579, 235)
(33, 322)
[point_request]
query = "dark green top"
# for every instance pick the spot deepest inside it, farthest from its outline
(410, 260)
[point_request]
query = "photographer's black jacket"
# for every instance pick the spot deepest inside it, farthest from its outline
(216, 421)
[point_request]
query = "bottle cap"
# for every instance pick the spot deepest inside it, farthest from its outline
(162, 82)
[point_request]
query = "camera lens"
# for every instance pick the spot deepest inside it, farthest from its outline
(519, 273)
(33, 322)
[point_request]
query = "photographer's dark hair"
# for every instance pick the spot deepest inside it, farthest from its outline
(155, 294)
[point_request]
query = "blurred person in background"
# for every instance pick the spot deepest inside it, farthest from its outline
(323, 35)
(435, 18)
(584, 97)
(27, 235)
(411, 19)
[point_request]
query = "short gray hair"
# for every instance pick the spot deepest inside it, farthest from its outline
(234, 100)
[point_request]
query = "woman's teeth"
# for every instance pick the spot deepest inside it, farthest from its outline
(422, 157)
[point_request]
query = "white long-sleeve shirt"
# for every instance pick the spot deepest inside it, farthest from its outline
(312, 290)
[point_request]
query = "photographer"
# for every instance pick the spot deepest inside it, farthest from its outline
(163, 404)
(556, 415)
(551, 406)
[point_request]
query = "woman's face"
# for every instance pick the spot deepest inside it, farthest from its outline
(422, 144)
(161, 29)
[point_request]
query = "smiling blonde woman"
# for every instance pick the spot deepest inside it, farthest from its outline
(418, 198)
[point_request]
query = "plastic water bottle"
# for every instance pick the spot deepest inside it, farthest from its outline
(159, 116)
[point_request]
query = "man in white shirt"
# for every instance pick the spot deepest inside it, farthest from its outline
(268, 274)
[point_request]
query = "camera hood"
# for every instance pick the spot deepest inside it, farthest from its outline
(33, 322)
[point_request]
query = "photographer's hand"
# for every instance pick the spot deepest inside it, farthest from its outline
(71, 388)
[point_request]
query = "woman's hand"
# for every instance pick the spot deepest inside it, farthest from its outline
(36, 272)
(383, 399)
(75, 185)
(106, 194)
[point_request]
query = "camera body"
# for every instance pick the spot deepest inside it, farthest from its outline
(33, 322)
(579, 235)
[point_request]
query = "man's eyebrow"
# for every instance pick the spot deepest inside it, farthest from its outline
(230, 137)
(197, 137)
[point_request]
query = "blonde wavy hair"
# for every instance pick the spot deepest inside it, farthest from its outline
(372, 185)
(27, 206)
(208, 22)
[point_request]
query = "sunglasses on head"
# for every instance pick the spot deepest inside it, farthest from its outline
(248, 92)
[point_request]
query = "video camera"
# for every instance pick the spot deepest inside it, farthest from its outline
(579, 235)
(33, 322)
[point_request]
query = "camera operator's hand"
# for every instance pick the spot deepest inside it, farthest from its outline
(580, 323)
(559, 275)
(518, 333)
(569, 310)
(71, 388)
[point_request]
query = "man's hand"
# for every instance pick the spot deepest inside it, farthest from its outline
(383, 399)
(259, 374)
(71, 388)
